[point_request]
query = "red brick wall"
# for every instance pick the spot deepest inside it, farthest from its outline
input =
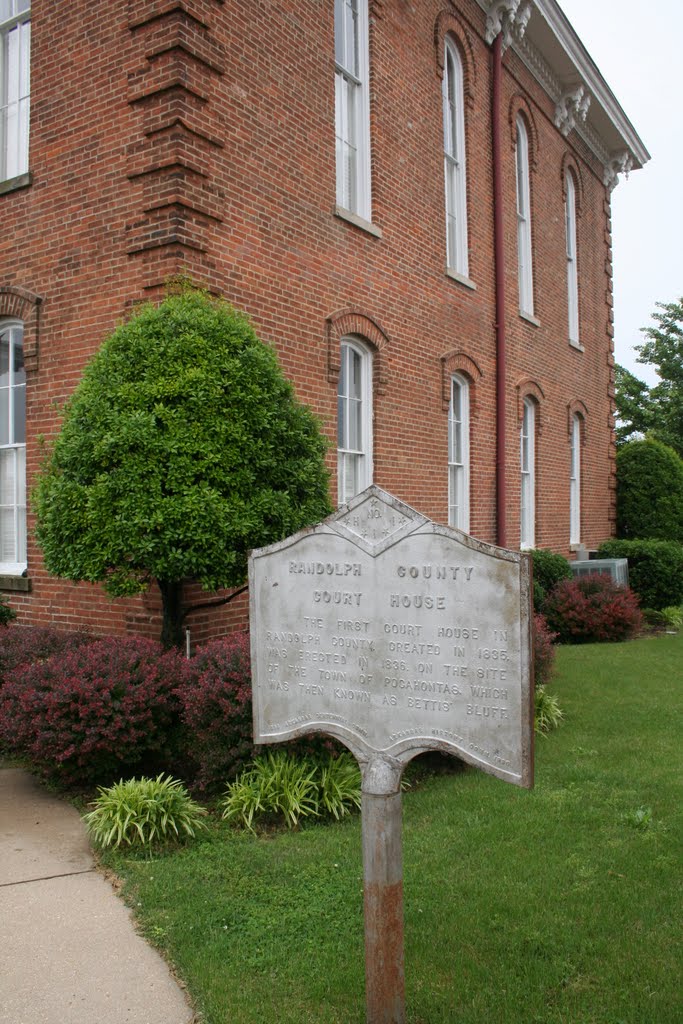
(198, 136)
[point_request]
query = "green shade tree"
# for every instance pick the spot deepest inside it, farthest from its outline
(182, 448)
(634, 412)
(658, 411)
(664, 350)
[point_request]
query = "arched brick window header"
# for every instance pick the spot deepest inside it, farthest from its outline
(447, 24)
(577, 408)
(20, 304)
(520, 108)
(529, 388)
(458, 362)
(353, 322)
(570, 165)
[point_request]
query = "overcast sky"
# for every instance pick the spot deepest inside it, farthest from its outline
(637, 48)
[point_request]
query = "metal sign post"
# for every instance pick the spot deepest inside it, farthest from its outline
(383, 892)
(395, 636)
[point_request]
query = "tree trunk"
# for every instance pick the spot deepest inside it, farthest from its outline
(172, 604)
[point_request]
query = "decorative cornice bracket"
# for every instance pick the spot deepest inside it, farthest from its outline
(571, 108)
(619, 163)
(509, 17)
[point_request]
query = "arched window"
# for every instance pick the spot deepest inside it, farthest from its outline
(12, 449)
(572, 268)
(354, 419)
(454, 160)
(352, 108)
(459, 454)
(527, 529)
(524, 259)
(15, 68)
(575, 482)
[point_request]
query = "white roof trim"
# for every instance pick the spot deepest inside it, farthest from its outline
(559, 61)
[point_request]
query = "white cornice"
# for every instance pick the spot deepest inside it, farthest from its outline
(554, 54)
(571, 109)
(509, 17)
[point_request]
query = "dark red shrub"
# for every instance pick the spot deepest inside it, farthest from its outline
(217, 710)
(592, 609)
(92, 714)
(544, 651)
(21, 645)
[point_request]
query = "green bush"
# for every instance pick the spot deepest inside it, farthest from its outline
(7, 614)
(283, 785)
(143, 812)
(655, 569)
(549, 569)
(649, 491)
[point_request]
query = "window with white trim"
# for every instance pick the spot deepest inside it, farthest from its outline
(575, 482)
(354, 419)
(352, 107)
(12, 450)
(527, 530)
(15, 84)
(524, 264)
(572, 269)
(452, 90)
(459, 454)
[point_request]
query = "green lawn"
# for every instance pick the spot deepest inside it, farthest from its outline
(557, 906)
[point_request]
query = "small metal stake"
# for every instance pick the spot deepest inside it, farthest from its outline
(383, 891)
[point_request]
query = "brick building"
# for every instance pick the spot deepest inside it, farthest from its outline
(410, 200)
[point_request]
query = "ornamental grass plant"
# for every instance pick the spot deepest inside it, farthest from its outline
(284, 786)
(144, 812)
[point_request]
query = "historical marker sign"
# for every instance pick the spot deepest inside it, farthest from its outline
(395, 635)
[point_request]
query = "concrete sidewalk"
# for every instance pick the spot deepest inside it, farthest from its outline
(69, 953)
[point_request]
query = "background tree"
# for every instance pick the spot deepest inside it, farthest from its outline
(657, 411)
(634, 413)
(182, 448)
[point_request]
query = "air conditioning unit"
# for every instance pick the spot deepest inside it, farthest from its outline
(617, 568)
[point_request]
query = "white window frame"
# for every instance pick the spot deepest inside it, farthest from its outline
(459, 454)
(525, 270)
(455, 179)
(352, 106)
(527, 459)
(15, 87)
(572, 266)
(354, 461)
(575, 482)
(12, 464)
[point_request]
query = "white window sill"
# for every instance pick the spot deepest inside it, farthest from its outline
(358, 222)
(10, 579)
(530, 318)
(461, 279)
(576, 345)
(12, 184)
